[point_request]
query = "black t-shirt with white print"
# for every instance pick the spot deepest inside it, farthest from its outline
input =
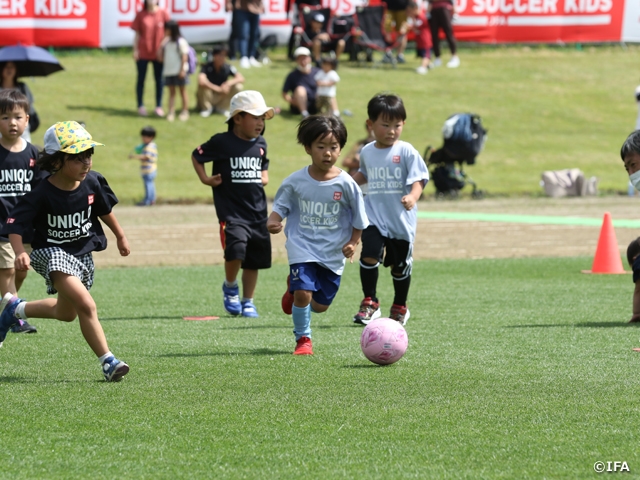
(240, 197)
(65, 219)
(18, 176)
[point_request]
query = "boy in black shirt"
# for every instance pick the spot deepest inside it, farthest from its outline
(238, 177)
(65, 211)
(18, 176)
(218, 82)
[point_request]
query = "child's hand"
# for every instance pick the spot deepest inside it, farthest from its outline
(22, 261)
(214, 180)
(123, 246)
(349, 250)
(408, 202)
(274, 227)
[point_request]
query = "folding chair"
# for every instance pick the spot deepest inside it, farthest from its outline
(342, 27)
(370, 35)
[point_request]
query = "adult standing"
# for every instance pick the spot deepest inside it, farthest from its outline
(149, 28)
(246, 27)
(300, 87)
(442, 12)
(218, 81)
(9, 80)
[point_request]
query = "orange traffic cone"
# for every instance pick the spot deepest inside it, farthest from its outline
(607, 259)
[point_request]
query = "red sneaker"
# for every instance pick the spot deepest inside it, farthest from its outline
(369, 310)
(303, 347)
(399, 313)
(287, 300)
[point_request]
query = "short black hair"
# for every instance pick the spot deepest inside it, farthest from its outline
(386, 105)
(633, 250)
(330, 60)
(631, 145)
(320, 126)
(52, 162)
(10, 99)
(148, 131)
(218, 49)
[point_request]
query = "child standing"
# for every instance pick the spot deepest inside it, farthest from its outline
(64, 211)
(174, 53)
(630, 154)
(420, 25)
(18, 176)
(327, 79)
(325, 218)
(395, 175)
(147, 153)
(239, 174)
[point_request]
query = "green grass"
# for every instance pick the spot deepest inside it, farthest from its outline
(515, 369)
(545, 108)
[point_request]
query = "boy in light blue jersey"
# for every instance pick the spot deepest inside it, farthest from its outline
(325, 216)
(395, 175)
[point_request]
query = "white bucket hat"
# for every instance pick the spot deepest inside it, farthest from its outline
(251, 102)
(301, 51)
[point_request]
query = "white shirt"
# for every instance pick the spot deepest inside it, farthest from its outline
(330, 76)
(320, 217)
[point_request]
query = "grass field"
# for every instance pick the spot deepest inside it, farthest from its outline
(515, 369)
(545, 108)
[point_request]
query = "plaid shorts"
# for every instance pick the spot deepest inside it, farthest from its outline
(54, 259)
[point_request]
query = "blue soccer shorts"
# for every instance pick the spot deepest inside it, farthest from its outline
(313, 277)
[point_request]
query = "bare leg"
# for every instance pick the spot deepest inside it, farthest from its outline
(300, 99)
(19, 278)
(249, 282)
(231, 269)
(7, 281)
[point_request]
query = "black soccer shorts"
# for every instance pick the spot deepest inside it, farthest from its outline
(249, 243)
(392, 252)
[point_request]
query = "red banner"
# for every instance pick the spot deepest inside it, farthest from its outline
(548, 21)
(72, 23)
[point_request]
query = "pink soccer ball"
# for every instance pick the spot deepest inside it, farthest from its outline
(384, 341)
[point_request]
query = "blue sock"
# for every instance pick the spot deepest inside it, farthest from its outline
(301, 321)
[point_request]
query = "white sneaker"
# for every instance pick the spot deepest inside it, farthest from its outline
(422, 70)
(206, 113)
(437, 62)
(454, 62)
(244, 63)
(254, 63)
(226, 113)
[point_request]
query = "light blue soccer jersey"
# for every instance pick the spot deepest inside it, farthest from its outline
(320, 217)
(390, 172)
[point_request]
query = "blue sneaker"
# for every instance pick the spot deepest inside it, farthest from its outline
(249, 309)
(113, 369)
(231, 299)
(7, 317)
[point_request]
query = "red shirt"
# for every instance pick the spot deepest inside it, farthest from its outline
(150, 28)
(422, 32)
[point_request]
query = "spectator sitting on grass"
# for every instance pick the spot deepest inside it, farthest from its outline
(300, 86)
(218, 81)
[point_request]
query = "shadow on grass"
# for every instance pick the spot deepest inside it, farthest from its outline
(257, 351)
(139, 318)
(39, 380)
(114, 112)
(366, 365)
(581, 325)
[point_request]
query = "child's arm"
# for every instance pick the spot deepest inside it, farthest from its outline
(408, 201)
(349, 248)
(22, 261)
(265, 177)
(111, 221)
(359, 178)
(212, 181)
(274, 223)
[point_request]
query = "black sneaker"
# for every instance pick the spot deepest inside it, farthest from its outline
(24, 328)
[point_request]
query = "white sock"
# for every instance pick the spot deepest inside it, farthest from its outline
(230, 284)
(305, 113)
(20, 311)
(245, 299)
(104, 357)
(336, 113)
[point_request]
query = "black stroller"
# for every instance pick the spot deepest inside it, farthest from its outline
(464, 138)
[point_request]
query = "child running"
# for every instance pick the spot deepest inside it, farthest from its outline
(395, 175)
(238, 177)
(64, 211)
(325, 218)
(18, 176)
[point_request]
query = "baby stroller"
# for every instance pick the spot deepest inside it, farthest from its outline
(464, 138)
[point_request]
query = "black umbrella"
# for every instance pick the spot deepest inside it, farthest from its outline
(31, 61)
